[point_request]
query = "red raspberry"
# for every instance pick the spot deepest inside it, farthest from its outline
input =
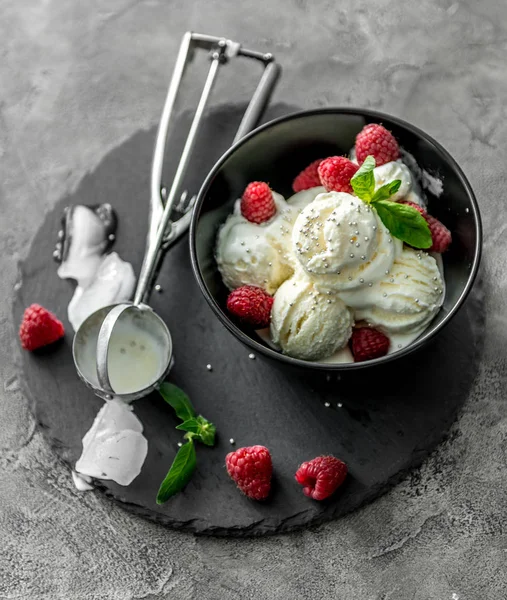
(251, 469)
(368, 343)
(308, 178)
(377, 141)
(257, 202)
(336, 172)
(251, 304)
(440, 235)
(321, 476)
(39, 328)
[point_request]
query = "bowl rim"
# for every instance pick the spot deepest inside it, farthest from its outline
(321, 366)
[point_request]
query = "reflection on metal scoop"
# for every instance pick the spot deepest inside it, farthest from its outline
(125, 350)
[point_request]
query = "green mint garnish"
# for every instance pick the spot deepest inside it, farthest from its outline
(191, 426)
(178, 400)
(403, 221)
(387, 190)
(200, 429)
(197, 428)
(207, 430)
(179, 474)
(363, 181)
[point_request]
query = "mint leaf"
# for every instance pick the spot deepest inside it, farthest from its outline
(386, 191)
(197, 428)
(192, 426)
(405, 223)
(179, 474)
(177, 398)
(363, 181)
(207, 430)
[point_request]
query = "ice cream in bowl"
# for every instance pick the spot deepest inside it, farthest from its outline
(336, 239)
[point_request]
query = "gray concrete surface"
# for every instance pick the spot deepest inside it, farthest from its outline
(76, 79)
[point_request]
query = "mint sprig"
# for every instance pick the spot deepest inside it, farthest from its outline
(387, 190)
(177, 398)
(197, 428)
(179, 474)
(363, 181)
(403, 221)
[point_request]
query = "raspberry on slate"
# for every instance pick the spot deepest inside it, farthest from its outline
(308, 178)
(257, 202)
(440, 235)
(39, 328)
(336, 172)
(251, 469)
(368, 343)
(251, 304)
(376, 140)
(321, 476)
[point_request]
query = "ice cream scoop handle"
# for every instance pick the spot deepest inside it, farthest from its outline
(158, 154)
(259, 100)
(153, 251)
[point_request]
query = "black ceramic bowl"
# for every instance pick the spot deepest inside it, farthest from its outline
(277, 152)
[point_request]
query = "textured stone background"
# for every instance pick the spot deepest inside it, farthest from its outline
(78, 78)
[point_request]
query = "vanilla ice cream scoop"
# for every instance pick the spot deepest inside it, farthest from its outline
(306, 323)
(409, 189)
(341, 243)
(406, 300)
(391, 171)
(257, 254)
(302, 199)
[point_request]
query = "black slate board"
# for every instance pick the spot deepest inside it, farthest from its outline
(388, 421)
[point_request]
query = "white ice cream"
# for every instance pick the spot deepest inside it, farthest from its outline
(397, 169)
(88, 243)
(390, 172)
(114, 281)
(83, 483)
(341, 243)
(306, 323)
(114, 448)
(101, 279)
(252, 254)
(302, 199)
(406, 299)
(344, 355)
(329, 260)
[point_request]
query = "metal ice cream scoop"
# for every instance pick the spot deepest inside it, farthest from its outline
(125, 350)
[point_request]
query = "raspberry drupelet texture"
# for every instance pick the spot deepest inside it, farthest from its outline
(39, 328)
(377, 141)
(368, 343)
(251, 469)
(308, 178)
(321, 476)
(250, 304)
(336, 172)
(257, 202)
(440, 236)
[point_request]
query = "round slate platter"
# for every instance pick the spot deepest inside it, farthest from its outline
(381, 422)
